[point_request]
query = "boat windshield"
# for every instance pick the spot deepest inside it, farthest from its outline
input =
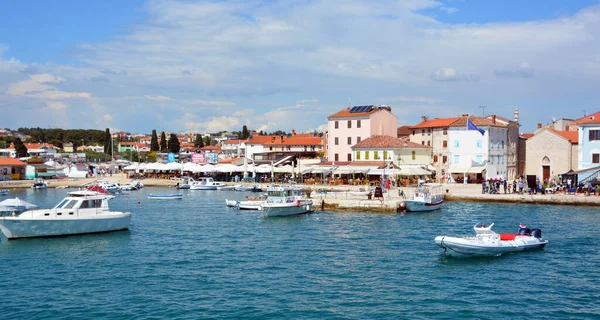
(61, 204)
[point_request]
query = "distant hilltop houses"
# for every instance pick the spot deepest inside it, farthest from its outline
(465, 148)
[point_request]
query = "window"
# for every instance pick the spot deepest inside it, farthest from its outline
(478, 143)
(413, 132)
(376, 155)
(445, 144)
(337, 157)
(349, 157)
(385, 155)
(358, 123)
(444, 159)
(70, 205)
(595, 157)
(357, 139)
(414, 155)
(479, 159)
(435, 159)
(336, 141)
(423, 142)
(492, 145)
(456, 159)
(445, 131)
(336, 125)
(349, 124)
(429, 143)
(357, 155)
(366, 155)
(422, 132)
(502, 144)
(289, 148)
(349, 140)
(498, 144)
(492, 159)
(594, 135)
(270, 148)
(456, 143)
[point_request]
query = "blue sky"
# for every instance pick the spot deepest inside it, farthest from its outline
(280, 65)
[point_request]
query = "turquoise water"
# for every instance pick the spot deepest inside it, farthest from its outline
(195, 258)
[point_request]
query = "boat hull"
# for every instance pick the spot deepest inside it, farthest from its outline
(203, 188)
(250, 205)
(417, 206)
(15, 227)
(287, 209)
(165, 197)
(467, 247)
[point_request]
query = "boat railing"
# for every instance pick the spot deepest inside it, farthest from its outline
(62, 211)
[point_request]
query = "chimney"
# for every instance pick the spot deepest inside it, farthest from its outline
(293, 132)
(494, 119)
(423, 118)
(567, 128)
(539, 125)
(465, 114)
(516, 115)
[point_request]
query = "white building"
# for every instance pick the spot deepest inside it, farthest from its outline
(473, 156)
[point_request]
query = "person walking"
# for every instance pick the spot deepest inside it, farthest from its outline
(505, 186)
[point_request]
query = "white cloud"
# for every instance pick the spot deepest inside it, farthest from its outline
(523, 70)
(107, 117)
(451, 74)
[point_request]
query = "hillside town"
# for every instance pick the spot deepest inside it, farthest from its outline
(362, 144)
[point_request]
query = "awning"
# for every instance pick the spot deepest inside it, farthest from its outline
(322, 169)
(46, 174)
(283, 160)
(353, 169)
(467, 170)
(413, 170)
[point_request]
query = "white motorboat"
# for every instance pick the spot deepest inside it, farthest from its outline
(3, 192)
(79, 213)
(285, 201)
(173, 196)
(488, 243)
(131, 186)
(205, 183)
(106, 185)
(39, 184)
(241, 187)
(231, 203)
(185, 183)
(224, 187)
(252, 203)
(424, 197)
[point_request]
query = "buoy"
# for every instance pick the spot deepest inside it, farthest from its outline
(402, 206)
(138, 201)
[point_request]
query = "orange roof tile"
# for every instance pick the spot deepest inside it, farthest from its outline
(387, 142)
(435, 123)
(233, 141)
(527, 135)
(11, 162)
(403, 131)
(302, 141)
(591, 119)
(478, 121)
(346, 113)
(572, 136)
(38, 145)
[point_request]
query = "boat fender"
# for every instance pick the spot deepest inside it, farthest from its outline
(298, 203)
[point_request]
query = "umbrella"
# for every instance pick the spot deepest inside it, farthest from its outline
(17, 204)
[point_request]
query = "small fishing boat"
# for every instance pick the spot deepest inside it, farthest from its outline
(285, 201)
(3, 192)
(224, 187)
(204, 183)
(39, 184)
(252, 203)
(173, 196)
(231, 203)
(424, 197)
(185, 183)
(488, 243)
(241, 187)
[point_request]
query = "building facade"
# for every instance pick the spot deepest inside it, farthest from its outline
(551, 153)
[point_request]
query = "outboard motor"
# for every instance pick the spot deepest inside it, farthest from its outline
(536, 233)
(525, 231)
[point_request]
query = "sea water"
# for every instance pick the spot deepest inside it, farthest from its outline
(194, 258)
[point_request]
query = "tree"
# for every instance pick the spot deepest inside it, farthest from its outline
(174, 143)
(207, 141)
(245, 133)
(107, 140)
(163, 142)
(198, 143)
(20, 148)
(154, 141)
(152, 156)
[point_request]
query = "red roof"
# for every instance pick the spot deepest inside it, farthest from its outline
(11, 162)
(527, 135)
(435, 123)
(591, 118)
(347, 114)
(478, 121)
(572, 136)
(233, 141)
(387, 142)
(403, 131)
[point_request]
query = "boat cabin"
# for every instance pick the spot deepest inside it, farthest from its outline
(76, 205)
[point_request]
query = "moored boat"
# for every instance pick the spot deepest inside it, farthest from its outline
(204, 183)
(285, 201)
(424, 197)
(3, 192)
(39, 184)
(79, 213)
(488, 243)
(173, 196)
(252, 203)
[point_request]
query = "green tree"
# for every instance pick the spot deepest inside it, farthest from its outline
(207, 141)
(198, 143)
(245, 133)
(154, 141)
(174, 143)
(20, 148)
(163, 142)
(107, 140)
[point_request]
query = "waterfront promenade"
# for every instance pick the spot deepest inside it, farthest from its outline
(346, 197)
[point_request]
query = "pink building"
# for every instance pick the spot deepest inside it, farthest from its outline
(351, 125)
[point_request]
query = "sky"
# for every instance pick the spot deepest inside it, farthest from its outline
(208, 66)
